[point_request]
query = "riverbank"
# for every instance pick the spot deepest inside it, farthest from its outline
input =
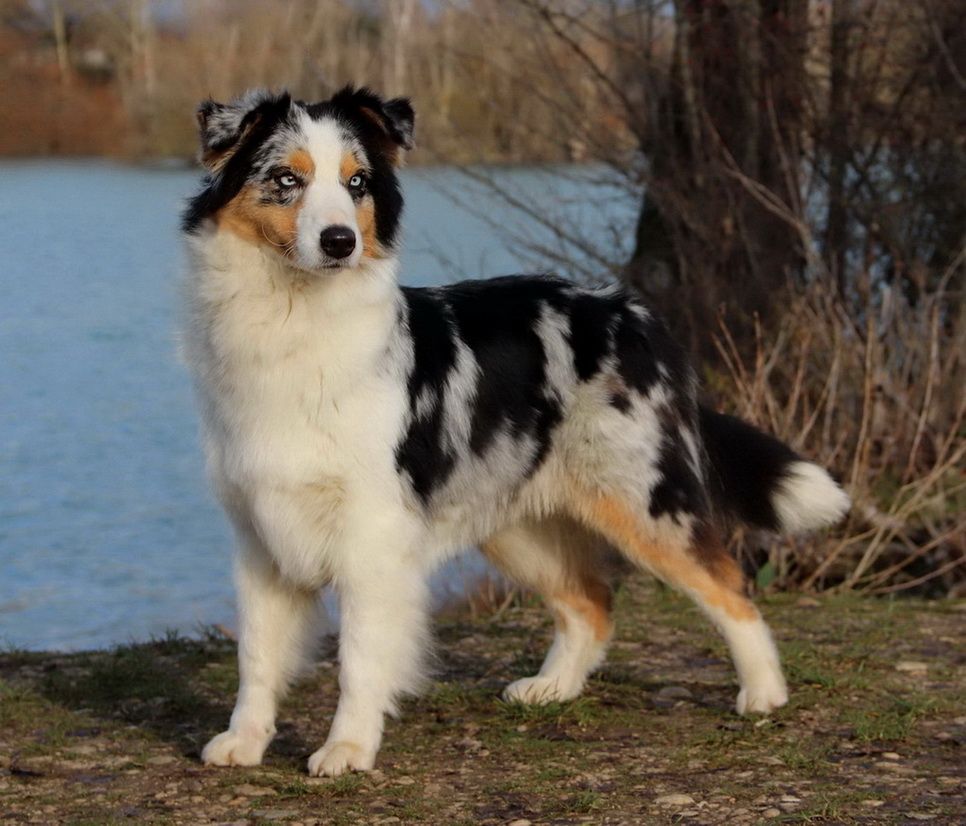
(873, 734)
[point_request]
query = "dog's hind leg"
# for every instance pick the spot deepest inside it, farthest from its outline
(566, 565)
(690, 557)
(275, 625)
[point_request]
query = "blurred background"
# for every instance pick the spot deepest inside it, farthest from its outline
(784, 179)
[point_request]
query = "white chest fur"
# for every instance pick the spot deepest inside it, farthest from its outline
(302, 387)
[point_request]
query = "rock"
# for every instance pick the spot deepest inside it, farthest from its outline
(521, 822)
(405, 781)
(912, 667)
(890, 755)
(771, 812)
(674, 692)
(675, 800)
(872, 804)
(250, 790)
(161, 760)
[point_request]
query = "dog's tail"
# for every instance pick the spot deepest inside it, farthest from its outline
(763, 482)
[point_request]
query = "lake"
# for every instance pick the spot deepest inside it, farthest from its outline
(108, 533)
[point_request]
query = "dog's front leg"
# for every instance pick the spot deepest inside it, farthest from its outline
(274, 625)
(384, 605)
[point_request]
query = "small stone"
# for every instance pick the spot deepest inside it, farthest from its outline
(873, 804)
(674, 692)
(405, 781)
(161, 760)
(771, 812)
(943, 735)
(521, 729)
(912, 667)
(251, 790)
(520, 822)
(771, 760)
(790, 798)
(890, 755)
(675, 800)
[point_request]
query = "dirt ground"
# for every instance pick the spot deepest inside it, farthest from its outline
(873, 733)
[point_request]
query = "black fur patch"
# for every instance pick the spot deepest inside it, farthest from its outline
(591, 317)
(746, 467)
(642, 348)
(422, 454)
(498, 321)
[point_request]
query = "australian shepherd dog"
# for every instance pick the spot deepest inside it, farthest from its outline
(359, 433)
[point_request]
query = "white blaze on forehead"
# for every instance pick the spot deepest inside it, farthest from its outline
(326, 142)
(326, 201)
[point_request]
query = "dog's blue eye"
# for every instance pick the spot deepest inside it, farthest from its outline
(286, 180)
(357, 184)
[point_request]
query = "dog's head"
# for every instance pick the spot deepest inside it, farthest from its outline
(313, 182)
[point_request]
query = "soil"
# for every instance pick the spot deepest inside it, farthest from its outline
(873, 733)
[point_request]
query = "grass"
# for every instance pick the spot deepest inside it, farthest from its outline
(104, 732)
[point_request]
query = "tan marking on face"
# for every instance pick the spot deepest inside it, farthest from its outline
(365, 209)
(617, 522)
(301, 162)
(348, 166)
(272, 225)
(366, 221)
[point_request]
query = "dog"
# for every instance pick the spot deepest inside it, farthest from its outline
(359, 433)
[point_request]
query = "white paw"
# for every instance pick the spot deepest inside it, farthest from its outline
(762, 697)
(337, 758)
(231, 748)
(538, 691)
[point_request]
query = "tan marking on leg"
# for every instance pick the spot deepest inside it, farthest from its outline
(711, 552)
(618, 523)
(576, 584)
(594, 605)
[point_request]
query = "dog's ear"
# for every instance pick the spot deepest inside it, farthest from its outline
(399, 120)
(224, 126)
(395, 118)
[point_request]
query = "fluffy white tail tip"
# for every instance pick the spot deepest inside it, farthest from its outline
(808, 498)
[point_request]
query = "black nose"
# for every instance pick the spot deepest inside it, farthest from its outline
(338, 241)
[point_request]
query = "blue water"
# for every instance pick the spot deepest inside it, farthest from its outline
(107, 530)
